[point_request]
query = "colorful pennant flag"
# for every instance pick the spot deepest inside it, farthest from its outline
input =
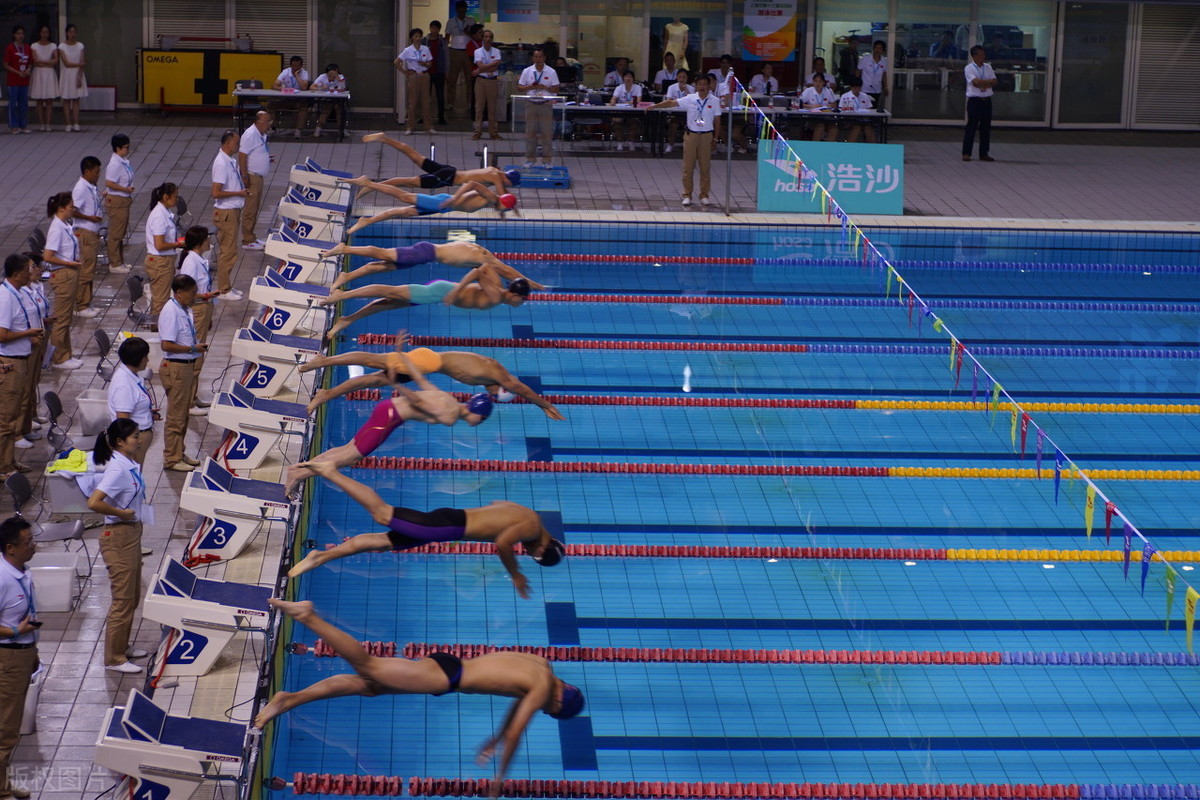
(1089, 509)
(1012, 428)
(1024, 431)
(1170, 595)
(958, 364)
(1109, 510)
(1058, 467)
(974, 382)
(1128, 530)
(1189, 613)
(1037, 464)
(1147, 555)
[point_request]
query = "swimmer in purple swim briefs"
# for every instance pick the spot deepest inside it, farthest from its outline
(455, 254)
(502, 522)
(430, 405)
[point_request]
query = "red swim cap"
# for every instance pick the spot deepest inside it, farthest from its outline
(508, 201)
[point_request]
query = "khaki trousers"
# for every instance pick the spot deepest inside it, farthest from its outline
(227, 221)
(16, 668)
(144, 442)
(62, 282)
(118, 226)
(202, 312)
(253, 203)
(161, 271)
(33, 376)
(179, 380)
(12, 392)
(417, 96)
(697, 146)
(539, 127)
(460, 67)
(121, 549)
(487, 92)
(89, 246)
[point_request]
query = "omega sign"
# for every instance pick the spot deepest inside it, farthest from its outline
(153, 59)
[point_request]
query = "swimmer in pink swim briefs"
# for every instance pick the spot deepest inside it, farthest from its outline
(429, 405)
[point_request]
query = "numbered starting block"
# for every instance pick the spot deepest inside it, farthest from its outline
(168, 757)
(203, 615)
(272, 357)
(300, 258)
(255, 425)
(288, 304)
(315, 183)
(231, 509)
(311, 219)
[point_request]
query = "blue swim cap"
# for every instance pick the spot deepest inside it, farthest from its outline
(480, 404)
(514, 176)
(572, 702)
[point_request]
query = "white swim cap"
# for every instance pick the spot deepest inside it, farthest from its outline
(502, 395)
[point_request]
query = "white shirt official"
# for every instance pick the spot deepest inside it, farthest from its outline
(674, 92)
(323, 84)
(666, 76)
(196, 266)
(16, 601)
(225, 172)
(984, 73)
(120, 172)
(86, 197)
(61, 239)
(162, 222)
(416, 58)
(124, 486)
(289, 80)
(822, 99)
(456, 32)
(15, 316)
(177, 324)
(860, 102)
(761, 84)
(630, 96)
(128, 394)
(36, 303)
(701, 111)
(485, 56)
(539, 81)
(258, 153)
(872, 73)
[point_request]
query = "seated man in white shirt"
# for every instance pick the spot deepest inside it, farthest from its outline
(625, 129)
(614, 78)
(818, 97)
(681, 88)
(857, 100)
(818, 66)
(295, 78)
(334, 82)
(765, 81)
(666, 76)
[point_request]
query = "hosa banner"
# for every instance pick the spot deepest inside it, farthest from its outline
(862, 178)
(769, 30)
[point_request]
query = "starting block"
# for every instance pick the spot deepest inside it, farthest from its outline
(203, 616)
(231, 509)
(273, 357)
(255, 425)
(168, 757)
(543, 177)
(288, 303)
(315, 183)
(311, 219)
(300, 259)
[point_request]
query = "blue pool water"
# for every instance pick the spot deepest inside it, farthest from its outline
(790, 722)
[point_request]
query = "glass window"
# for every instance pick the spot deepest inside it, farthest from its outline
(359, 37)
(845, 30)
(932, 40)
(1016, 35)
(1093, 63)
(106, 29)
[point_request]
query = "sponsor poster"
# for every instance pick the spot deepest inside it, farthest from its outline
(769, 30)
(863, 178)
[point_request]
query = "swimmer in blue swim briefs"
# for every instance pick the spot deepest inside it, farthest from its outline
(455, 254)
(435, 175)
(471, 197)
(526, 678)
(479, 290)
(502, 522)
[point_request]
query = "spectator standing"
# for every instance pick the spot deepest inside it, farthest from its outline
(487, 86)
(229, 194)
(19, 336)
(18, 64)
(195, 266)
(129, 396)
(539, 79)
(72, 83)
(848, 61)
(295, 78)
(119, 188)
(18, 640)
(440, 50)
(857, 100)
(702, 110)
(38, 306)
(681, 88)
(666, 76)
(181, 349)
(89, 213)
(161, 235)
(254, 162)
(121, 498)
(61, 255)
(414, 61)
(458, 31)
(43, 86)
(981, 82)
(333, 81)
(873, 71)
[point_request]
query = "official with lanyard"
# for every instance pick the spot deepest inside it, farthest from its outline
(229, 194)
(121, 498)
(18, 640)
(702, 110)
(33, 294)
(542, 81)
(18, 335)
(177, 332)
(128, 394)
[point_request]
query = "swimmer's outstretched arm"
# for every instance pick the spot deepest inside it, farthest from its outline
(514, 728)
(504, 550)
(521, 390)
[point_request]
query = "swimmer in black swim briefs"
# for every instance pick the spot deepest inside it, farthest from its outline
(526, 678)
(502, 523)
(438, 175)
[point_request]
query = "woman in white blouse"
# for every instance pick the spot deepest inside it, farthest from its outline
(196, 243)
(62, 254)
(162, 234)
(72, 83)
(43, 84)
(121, 498)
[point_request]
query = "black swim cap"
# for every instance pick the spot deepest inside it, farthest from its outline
(519, 287)
(572, 702)
(551, 553)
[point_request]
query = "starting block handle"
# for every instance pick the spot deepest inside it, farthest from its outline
(163, 772)
(290, 362)
(220, 626)
(224, 512)
(265, 429)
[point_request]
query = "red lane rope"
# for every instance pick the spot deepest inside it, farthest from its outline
(497, 465)
(703, 551)
(375, 395)
(609, 259)
(691, 300)
(326, 783)
(580, 344)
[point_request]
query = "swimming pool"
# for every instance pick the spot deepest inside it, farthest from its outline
(760, 392)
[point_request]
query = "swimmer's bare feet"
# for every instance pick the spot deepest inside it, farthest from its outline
(335, 296)
(296, 475)
(374, 137)
(308, 563)
(359, 225)
(319, 399)
(296, 609)
(361, 180)
(311, 364)
(273, 709)
(322, 468)
(336, 250)
(336, 328)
